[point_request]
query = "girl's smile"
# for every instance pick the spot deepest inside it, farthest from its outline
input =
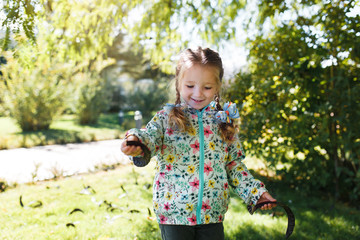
(199, 86)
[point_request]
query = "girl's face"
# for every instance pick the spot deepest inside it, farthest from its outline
(199, 86)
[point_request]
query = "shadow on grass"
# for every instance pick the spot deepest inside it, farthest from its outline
(50, 136)
(149, 231)
(109, 121)
(251, 232)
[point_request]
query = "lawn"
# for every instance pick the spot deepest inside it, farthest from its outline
(118, 205)
(65, 129)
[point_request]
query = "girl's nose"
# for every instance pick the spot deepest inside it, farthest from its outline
(197, 92)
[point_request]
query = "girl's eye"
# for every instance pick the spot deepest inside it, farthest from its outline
(208, 88)
(189, 86)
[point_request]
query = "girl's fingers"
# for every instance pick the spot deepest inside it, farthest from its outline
(268, 206)
(130, 150)
(267, 197)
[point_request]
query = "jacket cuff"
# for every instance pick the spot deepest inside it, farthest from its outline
(256, 191)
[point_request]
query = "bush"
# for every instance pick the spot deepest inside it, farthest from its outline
(93, 98)
(34, 91)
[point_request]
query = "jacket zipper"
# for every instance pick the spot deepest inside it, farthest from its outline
(201, 167)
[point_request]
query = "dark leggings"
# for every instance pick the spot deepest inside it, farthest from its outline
(214, 231)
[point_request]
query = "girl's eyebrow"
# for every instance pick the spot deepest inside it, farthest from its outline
(193, 82)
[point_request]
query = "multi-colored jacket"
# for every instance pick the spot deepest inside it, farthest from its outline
(195, 169)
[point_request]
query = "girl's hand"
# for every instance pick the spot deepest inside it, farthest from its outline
(131, 150)
(264, 198)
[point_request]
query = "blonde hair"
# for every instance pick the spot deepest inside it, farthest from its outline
(204, 58)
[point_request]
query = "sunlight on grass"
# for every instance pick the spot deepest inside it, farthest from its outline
(127, 219)
(125, 215)
(8, 125)
(125, 195)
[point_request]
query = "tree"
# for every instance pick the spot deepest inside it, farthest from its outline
(301, 96)
(78, 39)
(78, 29)
(20, 17)
(85, 28)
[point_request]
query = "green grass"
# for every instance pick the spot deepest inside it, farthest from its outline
(316, 218)
(63, 130)
(8, 125)
(128, 221)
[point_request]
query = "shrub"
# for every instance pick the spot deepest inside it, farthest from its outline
(93, 98)
(34, 90)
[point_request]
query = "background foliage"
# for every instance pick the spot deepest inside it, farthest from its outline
(147, 96)
(301, 97)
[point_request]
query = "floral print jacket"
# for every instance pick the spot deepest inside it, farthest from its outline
(195, 169)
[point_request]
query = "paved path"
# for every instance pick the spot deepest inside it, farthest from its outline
(39, 163)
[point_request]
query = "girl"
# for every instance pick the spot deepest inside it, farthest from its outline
(198, 153)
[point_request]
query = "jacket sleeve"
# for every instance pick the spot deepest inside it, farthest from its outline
(151, 136)
(239, 177)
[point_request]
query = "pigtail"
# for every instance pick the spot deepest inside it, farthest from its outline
(227, 130)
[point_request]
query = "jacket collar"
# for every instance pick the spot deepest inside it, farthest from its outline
(210, 107)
